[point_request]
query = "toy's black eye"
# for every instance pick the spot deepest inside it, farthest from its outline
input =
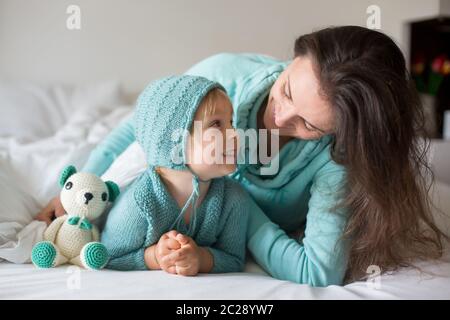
(69, 185)
(104, 196)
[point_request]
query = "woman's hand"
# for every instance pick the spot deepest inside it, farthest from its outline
(53, 209)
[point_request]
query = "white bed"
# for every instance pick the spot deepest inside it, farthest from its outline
(26, 282)
(69, 123)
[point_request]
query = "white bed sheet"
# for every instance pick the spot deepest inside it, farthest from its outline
(34, 168)
(69, 282)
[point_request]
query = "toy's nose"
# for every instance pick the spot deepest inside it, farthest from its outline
(88, 196)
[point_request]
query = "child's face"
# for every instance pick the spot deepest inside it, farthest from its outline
(212, 148)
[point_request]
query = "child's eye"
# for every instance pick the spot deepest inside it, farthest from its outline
(215, 123)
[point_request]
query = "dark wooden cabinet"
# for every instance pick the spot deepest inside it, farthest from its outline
(429, 40)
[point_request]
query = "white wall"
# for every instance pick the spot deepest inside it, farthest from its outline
(444, 7)
(136, 41)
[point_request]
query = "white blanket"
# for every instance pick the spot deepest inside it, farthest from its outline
(29, 175)
(68, 282)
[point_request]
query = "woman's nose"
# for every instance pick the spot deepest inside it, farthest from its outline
(284, 115)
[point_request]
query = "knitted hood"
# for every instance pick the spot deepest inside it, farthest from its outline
(164, 114)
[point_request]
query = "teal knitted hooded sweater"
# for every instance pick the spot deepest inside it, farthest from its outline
(145, 211)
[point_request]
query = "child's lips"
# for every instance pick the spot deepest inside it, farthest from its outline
(230, 153)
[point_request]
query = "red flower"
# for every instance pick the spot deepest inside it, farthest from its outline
(438, 63)
(418, 65)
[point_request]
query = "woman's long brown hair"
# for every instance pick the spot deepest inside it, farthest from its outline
(377, 138)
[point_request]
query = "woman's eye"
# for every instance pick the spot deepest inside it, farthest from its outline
(286, 92)
(68, 185)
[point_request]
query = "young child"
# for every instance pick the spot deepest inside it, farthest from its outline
(181, 215)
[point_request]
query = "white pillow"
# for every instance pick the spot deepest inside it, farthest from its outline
(127, 166)
(30, 112)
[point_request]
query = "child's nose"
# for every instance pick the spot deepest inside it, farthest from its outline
(233, 135)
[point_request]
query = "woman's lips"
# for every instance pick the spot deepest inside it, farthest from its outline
(273, 110)
(274, 117)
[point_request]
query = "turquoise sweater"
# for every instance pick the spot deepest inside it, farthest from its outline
(306, 188)
(145, 211)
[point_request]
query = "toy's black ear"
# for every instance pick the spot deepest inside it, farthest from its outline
(113, 190)
(67, 172)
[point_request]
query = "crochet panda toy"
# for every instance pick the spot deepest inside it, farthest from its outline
(72, 238)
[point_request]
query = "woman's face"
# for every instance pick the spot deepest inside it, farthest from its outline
(295, 105)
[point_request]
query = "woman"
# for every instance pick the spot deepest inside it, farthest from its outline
(351, 167)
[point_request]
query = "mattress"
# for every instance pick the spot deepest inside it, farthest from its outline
(24, 281)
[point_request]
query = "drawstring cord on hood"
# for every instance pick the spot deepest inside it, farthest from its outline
(238, 174)
(191, 200)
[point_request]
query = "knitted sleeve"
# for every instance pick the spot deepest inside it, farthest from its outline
(321, 258)
(229, 250)
(110, 148)
(124, 236)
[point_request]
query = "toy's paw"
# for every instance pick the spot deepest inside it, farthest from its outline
(44, 254)
(94, 256)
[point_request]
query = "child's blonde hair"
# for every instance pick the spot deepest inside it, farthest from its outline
(208, 101)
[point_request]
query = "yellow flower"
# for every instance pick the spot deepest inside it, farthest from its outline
(418, 68)
(446, 67)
